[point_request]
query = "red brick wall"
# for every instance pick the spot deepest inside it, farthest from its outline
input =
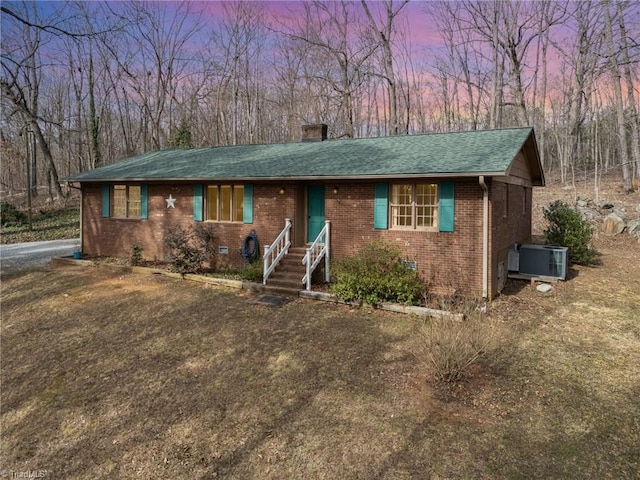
(510, 222)
(115, 237)
(446, 261)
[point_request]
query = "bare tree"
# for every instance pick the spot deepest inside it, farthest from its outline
(619, 103)
(235, 73)
(20, 83)
(151, 56)
(332, 30)
(629, 79)
(582, 65)
(384, 33)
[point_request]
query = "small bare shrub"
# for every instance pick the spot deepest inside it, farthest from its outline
(135, 256)
(189, 249)
(450, 346)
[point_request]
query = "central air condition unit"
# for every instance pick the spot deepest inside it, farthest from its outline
(544, 261)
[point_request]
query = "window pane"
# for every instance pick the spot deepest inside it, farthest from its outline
(225, 203)
(426, 204)
(212, 202)
(401, 194)
(238, 203)
(134, 201)
(401, 205)
(119, 201)
(426, 216)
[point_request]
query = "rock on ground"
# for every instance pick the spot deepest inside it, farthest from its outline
(613, 224)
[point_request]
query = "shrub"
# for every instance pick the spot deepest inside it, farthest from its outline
(376, 274)
(252, 271)
(189, 249)
(204, 235)
(10, 215)
(450, 347)
(569, 229)
(135, 256)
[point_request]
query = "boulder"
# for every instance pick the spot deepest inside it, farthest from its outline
(621, 212)
(588, 213)
(638, 208)
(613, 224)
(633, 227)
(582, 203)
(603, 204)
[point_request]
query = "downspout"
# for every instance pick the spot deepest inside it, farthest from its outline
(485, 237)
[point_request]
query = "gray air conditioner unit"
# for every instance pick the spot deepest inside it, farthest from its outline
(544, 261)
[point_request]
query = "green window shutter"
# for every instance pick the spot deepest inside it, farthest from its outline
(144, 203)
(380, 206)
(106, 194)
(198, 202)
(247, 212)
(446, 207)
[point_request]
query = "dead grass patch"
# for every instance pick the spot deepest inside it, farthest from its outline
(109, 374)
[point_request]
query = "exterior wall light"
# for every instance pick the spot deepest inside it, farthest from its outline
(335, 190)
(282, 191)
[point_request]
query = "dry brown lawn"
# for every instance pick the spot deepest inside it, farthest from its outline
(109, 374)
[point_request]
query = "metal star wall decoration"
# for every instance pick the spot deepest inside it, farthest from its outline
(171, 202)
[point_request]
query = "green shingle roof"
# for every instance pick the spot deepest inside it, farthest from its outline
(488, 152)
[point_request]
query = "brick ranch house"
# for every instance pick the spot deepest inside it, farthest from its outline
(454, 203)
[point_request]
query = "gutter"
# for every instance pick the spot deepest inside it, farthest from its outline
(485, 236)
(292, 178)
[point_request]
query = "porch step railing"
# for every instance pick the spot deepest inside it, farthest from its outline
(273, 253)
(318, 250)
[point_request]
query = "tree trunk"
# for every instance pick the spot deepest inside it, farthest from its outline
(46, 152)
(633, 111)
(93, 120)
(617, 88)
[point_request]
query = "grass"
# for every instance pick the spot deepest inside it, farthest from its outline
(106, 374)
(46, 225)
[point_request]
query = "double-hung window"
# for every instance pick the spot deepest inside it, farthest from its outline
(126, 201)
(225, 203)
(414, 206)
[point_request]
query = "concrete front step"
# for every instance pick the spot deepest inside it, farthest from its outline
(291, 278)
(290, 266)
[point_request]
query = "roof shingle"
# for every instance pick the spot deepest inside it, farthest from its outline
(463, 153)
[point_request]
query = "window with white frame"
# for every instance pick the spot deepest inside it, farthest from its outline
(414, 206)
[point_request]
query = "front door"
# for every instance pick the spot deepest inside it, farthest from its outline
(315, 211)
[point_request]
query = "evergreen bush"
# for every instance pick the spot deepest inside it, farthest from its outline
(252, 271)
(376, 274)
(567, 228)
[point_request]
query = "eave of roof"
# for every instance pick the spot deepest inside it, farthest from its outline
(460, 154)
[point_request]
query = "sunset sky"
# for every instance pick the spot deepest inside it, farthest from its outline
(414, 21)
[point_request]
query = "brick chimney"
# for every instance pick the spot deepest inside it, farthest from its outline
(314, 133)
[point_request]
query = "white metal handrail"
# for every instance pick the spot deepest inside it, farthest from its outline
(279, 248)
(318, 249)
